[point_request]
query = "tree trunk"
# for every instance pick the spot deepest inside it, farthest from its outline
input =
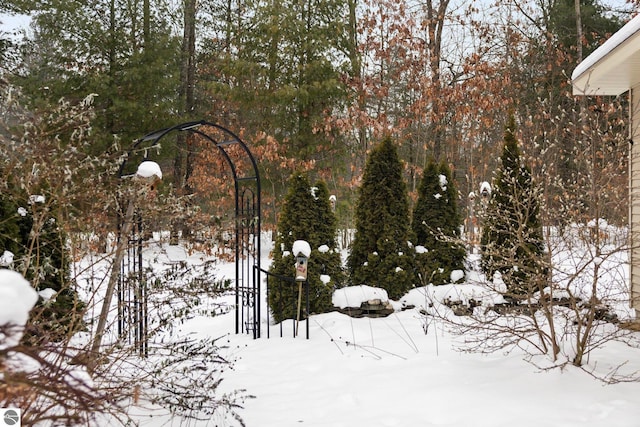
(183, 159)
(435, 24)
(146, 24)
(113, 280)
(578, 30)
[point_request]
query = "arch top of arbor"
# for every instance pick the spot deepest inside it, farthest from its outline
(199, 127)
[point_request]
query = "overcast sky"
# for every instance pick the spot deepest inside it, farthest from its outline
(12, 23)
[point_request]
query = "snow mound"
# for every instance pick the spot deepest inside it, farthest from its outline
(6, 259)
(47, 294)
(424, 296)
(456, 276)
(17, 298)
(354, 296)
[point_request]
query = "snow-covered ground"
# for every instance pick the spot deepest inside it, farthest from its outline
(389, 372)
(402, 370)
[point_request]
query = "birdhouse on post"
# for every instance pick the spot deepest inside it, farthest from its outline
(150, 174)
(302, 251)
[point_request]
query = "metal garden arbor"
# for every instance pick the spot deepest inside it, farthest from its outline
(132, 292)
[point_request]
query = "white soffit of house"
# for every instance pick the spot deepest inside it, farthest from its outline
(614, 67)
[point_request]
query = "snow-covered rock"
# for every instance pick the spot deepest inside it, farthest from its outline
(354, 296)
(363, 301)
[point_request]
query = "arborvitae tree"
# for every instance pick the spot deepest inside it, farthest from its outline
(30, 232)
(512, 233)
(44, 259)
(306, 215)
(38, 250)
(381, 255)
(436, 224)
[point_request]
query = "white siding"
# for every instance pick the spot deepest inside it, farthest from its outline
(634, 197)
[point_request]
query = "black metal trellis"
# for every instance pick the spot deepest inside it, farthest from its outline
(132, 291)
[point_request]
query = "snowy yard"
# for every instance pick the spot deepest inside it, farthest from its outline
(406, 369)
(389, 372)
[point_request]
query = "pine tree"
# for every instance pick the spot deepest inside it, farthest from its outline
(74, 50)
(597, 25)
(275, 66)
(30, 232)
(380, 254)
(306, 215)
(512, 233)
(436, 224)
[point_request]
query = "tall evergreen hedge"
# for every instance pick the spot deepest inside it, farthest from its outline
(380, 254)
(436, 224)
(306, 215)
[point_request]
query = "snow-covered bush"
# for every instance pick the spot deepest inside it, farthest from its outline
(17, 298)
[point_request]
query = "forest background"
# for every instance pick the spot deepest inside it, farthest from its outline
(312, 85)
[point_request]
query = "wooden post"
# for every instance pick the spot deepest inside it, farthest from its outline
(299, 304)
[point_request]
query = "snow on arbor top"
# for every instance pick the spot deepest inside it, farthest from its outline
(148, 169)
(301, 247)
(17, 298)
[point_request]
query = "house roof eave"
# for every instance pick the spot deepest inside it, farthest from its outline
(614, 67)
